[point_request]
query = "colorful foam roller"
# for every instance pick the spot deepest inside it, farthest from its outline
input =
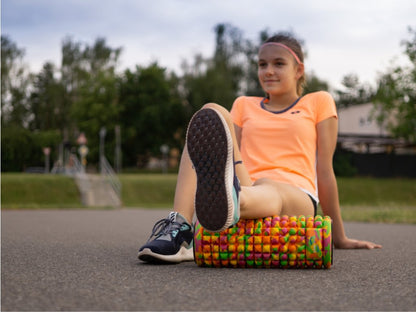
(273, 242)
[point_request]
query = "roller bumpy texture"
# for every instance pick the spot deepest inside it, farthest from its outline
(273, 242)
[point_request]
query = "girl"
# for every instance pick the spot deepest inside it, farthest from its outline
(269, 156)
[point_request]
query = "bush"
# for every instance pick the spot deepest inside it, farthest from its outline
(343, 166)
(22, 148)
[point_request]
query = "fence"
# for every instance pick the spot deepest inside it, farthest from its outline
(381, 165)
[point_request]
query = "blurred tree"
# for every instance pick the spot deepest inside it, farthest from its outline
(250, 83)
(83, 68)
(16, 149)
(152, 113)
(88, 75)
(15, 81)
(72, 77)
(354, 92)
(97, 107)
(396, 95)
(47, 101)
(216, 79)
(314, 83)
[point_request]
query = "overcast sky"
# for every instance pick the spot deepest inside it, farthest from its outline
(341, 37)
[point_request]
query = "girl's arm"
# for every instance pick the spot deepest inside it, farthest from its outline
(327, 185)
(238, 134)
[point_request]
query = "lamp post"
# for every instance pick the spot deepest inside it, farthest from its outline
(103, 132)
(117, 162)
(165, 150)
(83, 149)
(46, 152)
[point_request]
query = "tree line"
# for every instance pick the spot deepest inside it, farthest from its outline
(152, 104)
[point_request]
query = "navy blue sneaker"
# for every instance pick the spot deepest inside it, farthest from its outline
(210, 147)
(172, 243)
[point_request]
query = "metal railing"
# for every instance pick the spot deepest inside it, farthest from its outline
(111, 176)
(70, 166)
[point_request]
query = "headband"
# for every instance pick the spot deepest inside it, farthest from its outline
(285, 47)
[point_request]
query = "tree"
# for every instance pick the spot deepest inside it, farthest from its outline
(250, 82)
(216, 79)
(152, 113)
(396, 95)
(47, 101)
(97, 107)
(354, 92)
(90, 101)
(84, 66)
(314, 83)
(14, 84)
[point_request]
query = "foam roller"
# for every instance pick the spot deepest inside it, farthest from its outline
(273, 242)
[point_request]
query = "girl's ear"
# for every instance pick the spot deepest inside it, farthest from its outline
(300, 70)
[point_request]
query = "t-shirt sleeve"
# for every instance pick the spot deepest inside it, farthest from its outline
(236, 112)
(325, 107)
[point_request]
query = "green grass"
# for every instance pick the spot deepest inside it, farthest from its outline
(379, 214)
(378, 200)
(148, 190)
(361, 199)
(36, 191)
(377, 192)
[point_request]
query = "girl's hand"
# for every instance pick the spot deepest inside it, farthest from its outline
(355, 244)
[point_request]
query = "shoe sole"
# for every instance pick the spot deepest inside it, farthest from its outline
(184, 254)
(210, 148)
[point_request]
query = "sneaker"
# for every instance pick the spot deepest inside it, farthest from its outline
(210, 148)
(173, 242)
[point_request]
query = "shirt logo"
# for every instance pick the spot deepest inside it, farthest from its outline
(295, 112)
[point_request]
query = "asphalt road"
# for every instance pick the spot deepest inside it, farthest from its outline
(86, 260)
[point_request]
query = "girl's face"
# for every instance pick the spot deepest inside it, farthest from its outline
(278, 71)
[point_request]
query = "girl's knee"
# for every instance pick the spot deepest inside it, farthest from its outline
(217, 107)
(213, 106)
(260, 200)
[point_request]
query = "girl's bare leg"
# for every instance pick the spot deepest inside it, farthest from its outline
(265, 197)
(185, 188)
(240, 169)
(261, 199)
(186, 182)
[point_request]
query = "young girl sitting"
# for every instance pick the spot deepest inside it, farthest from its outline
(268, 156)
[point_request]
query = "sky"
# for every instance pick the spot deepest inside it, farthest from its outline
(341, 37)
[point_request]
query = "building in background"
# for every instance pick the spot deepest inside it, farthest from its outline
(359, 132)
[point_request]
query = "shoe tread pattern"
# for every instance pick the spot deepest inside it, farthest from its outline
(208, 147)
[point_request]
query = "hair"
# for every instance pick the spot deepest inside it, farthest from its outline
(290, 41)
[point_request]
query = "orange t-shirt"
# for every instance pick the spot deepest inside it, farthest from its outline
(282, 145)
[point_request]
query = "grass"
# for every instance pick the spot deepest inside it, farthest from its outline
(377, 192)
(379, 214)
(36, 191)
(148, 190)
(378, 200)
(361, 199)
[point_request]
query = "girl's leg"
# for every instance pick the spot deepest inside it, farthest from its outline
(186, 182)
(240, 170)
(185, 188)
(261, 199)
(267, 197)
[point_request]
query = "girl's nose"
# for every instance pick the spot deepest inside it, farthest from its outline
(269, 70)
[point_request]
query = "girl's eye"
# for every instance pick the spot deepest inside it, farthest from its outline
(262, 65)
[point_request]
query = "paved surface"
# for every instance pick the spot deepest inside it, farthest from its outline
(86, 260)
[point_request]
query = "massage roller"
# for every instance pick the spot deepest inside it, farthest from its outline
(273, 242)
